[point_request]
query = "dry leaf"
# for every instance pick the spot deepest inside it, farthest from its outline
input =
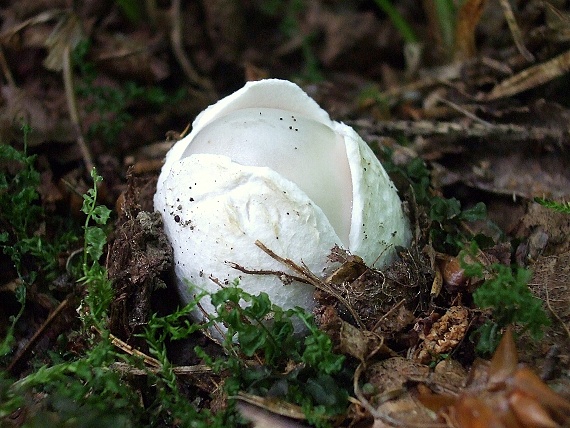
(531, 77)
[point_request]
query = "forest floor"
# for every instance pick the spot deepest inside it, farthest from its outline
(467, 107)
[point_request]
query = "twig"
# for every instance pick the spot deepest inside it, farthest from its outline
(6, 70)
(37, 335)
(178, 49)
(180, 371)
(463, 111)
(515, 30)
(387, 419)
(551, 309)
(455, 131)
(286, 277)
(153, 362)
(72, 107)
(308, 277)
(387, 314)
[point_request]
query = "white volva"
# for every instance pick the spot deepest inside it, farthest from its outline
(267, 163)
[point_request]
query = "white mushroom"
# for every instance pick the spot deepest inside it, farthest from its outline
(267, 163)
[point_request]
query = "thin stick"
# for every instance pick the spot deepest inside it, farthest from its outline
(178, 49)
(180, 370)
(387, 314)
(312, 279)
(463, 111)
(72, 107)
(6, 70)
(148, 360)
(551, 309)
(387, 419)
(515, 30)
(37, 335)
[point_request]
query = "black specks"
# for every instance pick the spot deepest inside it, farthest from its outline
(365, 169)
(179, 207)
(394, 233)
(260, 113)
(177, 218)
(296, 129)
(290, 127)
(191, 199)
(287, 213)
(280, 118)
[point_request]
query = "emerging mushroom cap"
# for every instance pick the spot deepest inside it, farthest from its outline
(267, 163)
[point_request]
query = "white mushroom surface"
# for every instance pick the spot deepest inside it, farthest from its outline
(267, 163)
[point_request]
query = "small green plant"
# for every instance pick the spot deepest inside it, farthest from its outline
(447, 233)
(312, 383)
(169, 401)
(23, 227)
(23, 219)
(99, 287)
(561, 207)
(507, 296)
(301, 371)
(85, 385)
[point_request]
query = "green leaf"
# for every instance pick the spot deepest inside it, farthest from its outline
(477, 212)
(507, 295)
(100, 214)
(95, 240)
(251, 338)
(443, 209)
(318, 353)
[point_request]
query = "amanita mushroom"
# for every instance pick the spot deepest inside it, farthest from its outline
(267, 163)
